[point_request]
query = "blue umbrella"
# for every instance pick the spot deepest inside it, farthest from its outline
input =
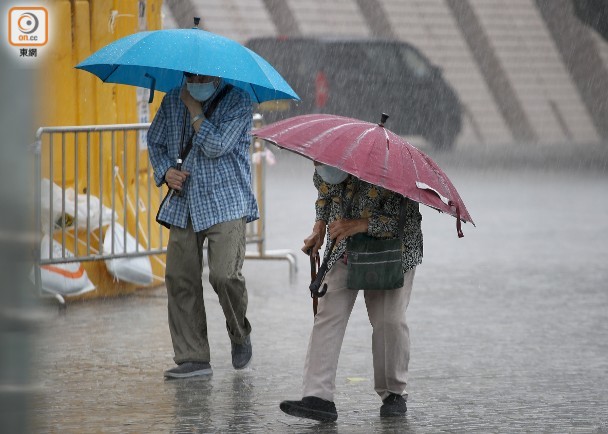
(157, 60)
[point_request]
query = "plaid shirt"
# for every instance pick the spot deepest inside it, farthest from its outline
(219, 186)
(380, 206)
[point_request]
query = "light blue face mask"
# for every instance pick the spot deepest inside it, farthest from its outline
(201, 91)
(331, 175)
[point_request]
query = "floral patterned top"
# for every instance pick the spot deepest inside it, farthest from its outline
(380, 206)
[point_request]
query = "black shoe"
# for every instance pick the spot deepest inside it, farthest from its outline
(241, 354)
(189, 369)
(394, 405)
(311, 407)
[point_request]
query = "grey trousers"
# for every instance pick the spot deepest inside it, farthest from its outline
(183, 277)
(390, 336)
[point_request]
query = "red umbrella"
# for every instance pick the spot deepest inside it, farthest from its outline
(371, 153)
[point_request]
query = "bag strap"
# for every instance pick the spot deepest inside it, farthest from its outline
(402, 217)
(347, 211)
(208, 112)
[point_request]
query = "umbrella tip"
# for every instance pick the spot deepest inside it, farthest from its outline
(383, 119)
(197, 20)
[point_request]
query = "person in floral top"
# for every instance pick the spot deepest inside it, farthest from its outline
(374, 211)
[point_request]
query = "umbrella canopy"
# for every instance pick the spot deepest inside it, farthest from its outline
(371, 153)
(158, 59)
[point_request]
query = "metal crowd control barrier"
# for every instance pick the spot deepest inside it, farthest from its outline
(99, 177)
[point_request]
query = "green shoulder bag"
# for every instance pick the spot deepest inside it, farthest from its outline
(375, 263)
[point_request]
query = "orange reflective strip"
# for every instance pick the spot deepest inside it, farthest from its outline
(69, 274)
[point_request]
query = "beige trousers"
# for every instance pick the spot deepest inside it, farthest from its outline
(183, 277)
(390, 336)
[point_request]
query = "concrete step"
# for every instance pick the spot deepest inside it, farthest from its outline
(429, 25)
(534, 68)
(516, 31)
(322, 17)
(235, 19)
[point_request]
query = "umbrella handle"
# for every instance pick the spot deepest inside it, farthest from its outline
(314, 264)
(316, 284)
(152, 87)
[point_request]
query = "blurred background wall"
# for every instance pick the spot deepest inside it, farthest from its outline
(528, 72)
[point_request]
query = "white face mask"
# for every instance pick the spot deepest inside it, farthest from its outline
(201, 91)
(331, 175)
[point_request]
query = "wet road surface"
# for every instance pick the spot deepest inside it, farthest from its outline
(509, 325)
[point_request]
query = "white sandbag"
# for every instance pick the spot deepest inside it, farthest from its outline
(86, 209)
(65, 279)
(46, 198)
(136, 270)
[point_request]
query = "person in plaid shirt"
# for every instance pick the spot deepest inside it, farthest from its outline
(212, 200)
